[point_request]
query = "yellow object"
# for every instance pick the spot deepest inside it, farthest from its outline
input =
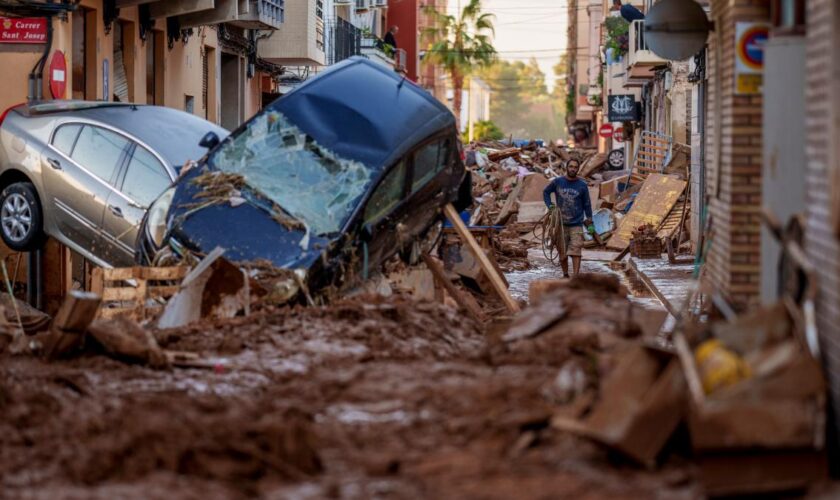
(719, 367)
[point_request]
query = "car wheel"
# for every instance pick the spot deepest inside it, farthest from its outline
(21, 219)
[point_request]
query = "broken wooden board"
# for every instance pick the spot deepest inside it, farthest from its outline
(657, 197)
(531, 211)
(471, 307)
(671, 224)
(489, 269)
(532, 188)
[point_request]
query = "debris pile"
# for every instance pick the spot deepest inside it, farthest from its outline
(508, 184)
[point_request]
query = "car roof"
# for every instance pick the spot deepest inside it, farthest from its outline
(172, 133)
(363, 111)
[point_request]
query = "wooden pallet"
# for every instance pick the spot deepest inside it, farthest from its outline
(671, 224)
(134, 291)
(651, 153)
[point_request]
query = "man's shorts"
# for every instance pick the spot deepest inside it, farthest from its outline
(572, 241)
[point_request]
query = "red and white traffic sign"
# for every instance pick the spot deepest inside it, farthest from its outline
(618, 134)
(606, 130)
(58, 75)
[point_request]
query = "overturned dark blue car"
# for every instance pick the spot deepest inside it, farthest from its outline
(328, 182)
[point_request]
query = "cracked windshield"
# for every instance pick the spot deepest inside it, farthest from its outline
(290, 168)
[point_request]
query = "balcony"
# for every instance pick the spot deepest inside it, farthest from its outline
(375, 49)
(300, 41)
(640, 59)
(248, 14)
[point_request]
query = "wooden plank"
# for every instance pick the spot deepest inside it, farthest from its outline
(158, 292)
(657, 197)
(121, 273)
(163, 273)
(647, 162)
(122, 294)
(486, 265)
(440, 277)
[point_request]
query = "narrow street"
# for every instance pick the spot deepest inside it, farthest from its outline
(314, 249)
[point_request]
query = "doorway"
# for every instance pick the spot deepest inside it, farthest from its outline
(231, 91)
(84, 54)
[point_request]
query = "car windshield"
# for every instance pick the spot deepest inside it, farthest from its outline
(286, 165)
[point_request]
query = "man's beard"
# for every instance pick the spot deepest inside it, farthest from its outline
(571, 175)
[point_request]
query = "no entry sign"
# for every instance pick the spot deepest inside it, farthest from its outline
(23, 30)
(58, 75)
(606, 130)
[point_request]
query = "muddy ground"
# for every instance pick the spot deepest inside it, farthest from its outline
(371, 398)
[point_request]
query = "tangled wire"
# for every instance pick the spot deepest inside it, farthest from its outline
(549, 231)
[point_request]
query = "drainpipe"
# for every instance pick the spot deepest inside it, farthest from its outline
(36, 76)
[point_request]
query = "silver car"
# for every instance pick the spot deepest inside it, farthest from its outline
(85, 172)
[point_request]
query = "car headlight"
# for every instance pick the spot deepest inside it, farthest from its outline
(156, 221)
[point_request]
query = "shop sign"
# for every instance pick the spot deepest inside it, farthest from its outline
(750, 39)
(23, 30)
(622, 108)
(606, 130)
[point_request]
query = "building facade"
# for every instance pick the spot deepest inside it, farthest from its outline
(178, 54)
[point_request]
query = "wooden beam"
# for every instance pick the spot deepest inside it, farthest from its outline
(483, 260)
(440, 276)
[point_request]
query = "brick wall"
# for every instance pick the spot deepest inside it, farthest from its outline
(733, 159)
(821, 245)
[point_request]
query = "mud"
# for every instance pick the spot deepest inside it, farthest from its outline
(369, 398)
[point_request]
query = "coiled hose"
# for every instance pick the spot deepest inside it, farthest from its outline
(549, 231)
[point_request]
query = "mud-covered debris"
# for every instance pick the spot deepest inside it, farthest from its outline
(126, 340)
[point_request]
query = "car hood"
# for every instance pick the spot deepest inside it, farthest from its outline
(248, 232)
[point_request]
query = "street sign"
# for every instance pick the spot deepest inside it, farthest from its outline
(606, 130)
(622, 108)
(618, 134)
(58, 75)
(23, 30)
(750, 39)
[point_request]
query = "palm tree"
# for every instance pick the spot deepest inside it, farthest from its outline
(459, 44)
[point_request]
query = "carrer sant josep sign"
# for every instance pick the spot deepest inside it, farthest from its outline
(622, 108)
(23, 30)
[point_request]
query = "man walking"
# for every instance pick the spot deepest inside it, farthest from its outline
(574, 211)
(391, 38)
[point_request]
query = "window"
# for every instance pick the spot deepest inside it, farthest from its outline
(387, 195)
(189, 104)
(788, 16)
(145, 178)
(65, 137)
(98, 150)
(428, 162)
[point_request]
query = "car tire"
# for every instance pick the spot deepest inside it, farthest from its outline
(21, 217)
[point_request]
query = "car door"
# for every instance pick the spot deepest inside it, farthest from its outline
(142, 180)
(81, 166)
(430, 175)
(384, 211)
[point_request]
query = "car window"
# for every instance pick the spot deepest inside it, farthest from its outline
(98, 150)
(65, 137)
(146, 177)
(429, 160)
(387, 194)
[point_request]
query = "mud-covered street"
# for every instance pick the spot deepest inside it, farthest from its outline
(369, 398)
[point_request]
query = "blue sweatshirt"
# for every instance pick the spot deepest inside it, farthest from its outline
(573, 199)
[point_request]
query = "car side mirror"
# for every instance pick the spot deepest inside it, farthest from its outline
(366, 232)
(209, 141)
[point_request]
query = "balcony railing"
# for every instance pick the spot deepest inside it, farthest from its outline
(639, 54)
(343, 40)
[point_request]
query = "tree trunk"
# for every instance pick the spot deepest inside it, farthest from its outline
(458, 86)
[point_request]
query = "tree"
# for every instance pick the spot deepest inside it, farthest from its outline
(460, 44)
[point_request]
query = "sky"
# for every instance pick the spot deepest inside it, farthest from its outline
(528, 28)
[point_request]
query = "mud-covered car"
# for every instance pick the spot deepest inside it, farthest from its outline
(328, 181)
